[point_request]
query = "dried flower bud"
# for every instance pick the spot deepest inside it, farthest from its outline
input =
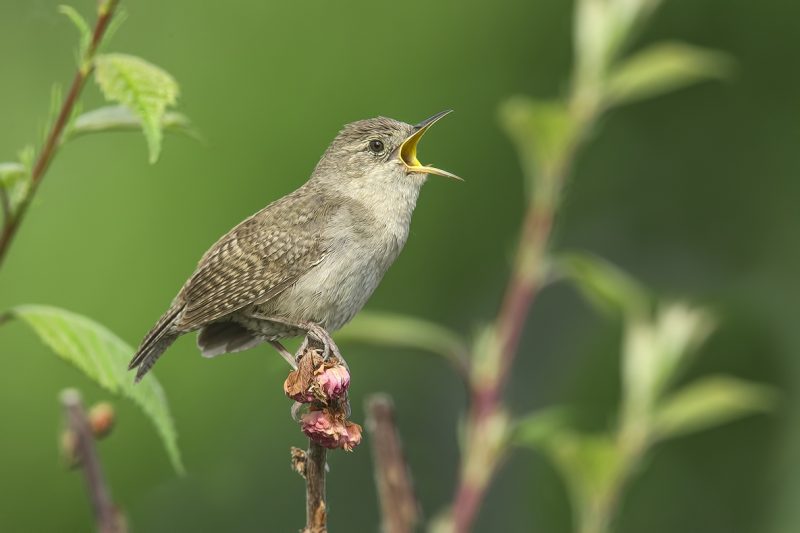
(316, 380)
(334, 381)
(331, 430)
(101, 419)
(299, 460)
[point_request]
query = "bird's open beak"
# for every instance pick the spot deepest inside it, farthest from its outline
(408, 150)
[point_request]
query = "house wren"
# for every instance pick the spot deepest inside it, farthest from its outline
(308, 262)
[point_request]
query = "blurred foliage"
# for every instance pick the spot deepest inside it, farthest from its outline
(661, 68)
(398, 331)
(145, 91)
(693, 193)
(103, 357)
(656, 345)
(608, 288)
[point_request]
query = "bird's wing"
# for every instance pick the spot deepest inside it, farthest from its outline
(255, 261)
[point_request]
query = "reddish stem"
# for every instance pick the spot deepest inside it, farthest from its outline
(486, 397)
(107, 518)
(523, 286)
(53, 140)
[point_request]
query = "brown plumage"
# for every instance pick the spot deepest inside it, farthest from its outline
(252, 263)
(308, 260)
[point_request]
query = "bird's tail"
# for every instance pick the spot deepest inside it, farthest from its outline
(156, 342)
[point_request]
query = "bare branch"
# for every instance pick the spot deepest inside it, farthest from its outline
(107, 518)
(399, 507)
(316, 507)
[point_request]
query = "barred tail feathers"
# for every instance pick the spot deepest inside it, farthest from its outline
(163, 334)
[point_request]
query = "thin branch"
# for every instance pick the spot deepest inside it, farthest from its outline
(316, 508)
(480, 454)
(105, 13)
(106, 516)
(486, 419)
(399, 507)
(321, 385)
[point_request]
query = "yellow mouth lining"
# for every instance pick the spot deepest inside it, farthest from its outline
(408, 151)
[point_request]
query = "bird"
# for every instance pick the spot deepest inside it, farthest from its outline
(309, 261)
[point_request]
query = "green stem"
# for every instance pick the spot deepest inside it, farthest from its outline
(53, 140)
(599, 512)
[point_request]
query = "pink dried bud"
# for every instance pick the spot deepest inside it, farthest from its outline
(317, 383)
(331, 431)
(334, 381)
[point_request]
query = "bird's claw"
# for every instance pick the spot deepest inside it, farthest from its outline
(320, 335)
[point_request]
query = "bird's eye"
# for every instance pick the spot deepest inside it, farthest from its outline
(376, 146)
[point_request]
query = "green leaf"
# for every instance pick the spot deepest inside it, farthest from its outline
(607, 287)
(542, 132)
(120, 118)
(83, 28)
(27, 157)
(15, 181)
(710, 402)
(591, 465)
(389, 329)
(601, 30)
(119, 18)
(11, 173)
(655, 351)
(662, 68)
(103, 357)
(537, 430)
(595, 38)
(144, 88)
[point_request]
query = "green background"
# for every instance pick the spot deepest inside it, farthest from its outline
(695, 193)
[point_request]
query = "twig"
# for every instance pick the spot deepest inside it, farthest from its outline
(399, 507)
(485, 426)
(480, 451)
(316, 508)
(105, 12)
(320, 386)
(106, 516)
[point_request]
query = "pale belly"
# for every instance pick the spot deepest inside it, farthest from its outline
(334, 291)
(329, 295)
(361, 249)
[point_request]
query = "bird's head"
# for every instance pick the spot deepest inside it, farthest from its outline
(377, 153)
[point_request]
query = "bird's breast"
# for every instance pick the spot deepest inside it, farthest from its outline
(359, 254)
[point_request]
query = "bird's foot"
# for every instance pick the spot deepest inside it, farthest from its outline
(321, 335)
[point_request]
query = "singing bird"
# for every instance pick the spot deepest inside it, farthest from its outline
(308, 262)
